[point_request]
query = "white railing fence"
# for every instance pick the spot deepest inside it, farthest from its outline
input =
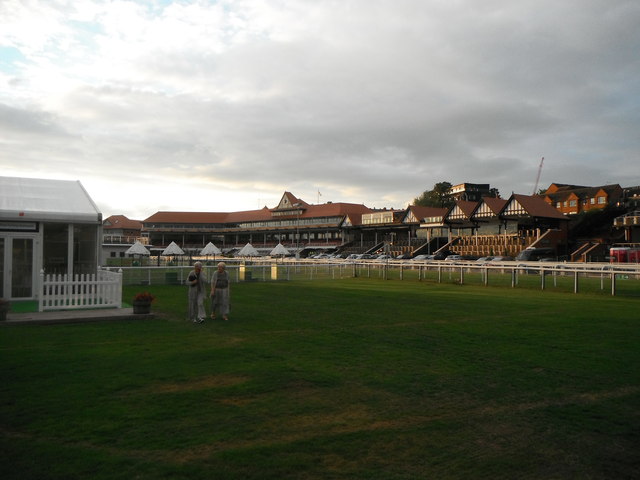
(68, 292)
(616, 278)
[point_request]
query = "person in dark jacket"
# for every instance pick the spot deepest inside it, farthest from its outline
(196, 281)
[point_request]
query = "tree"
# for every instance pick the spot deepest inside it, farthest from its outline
(439, 196)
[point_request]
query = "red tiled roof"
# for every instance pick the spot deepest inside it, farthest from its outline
(121, 222)
(187, 217)
(536, 206)
(614, 191)
(308, 211)
(495, 204)
(249, 216)
(425, 212)
(467, 207)
(334, 210)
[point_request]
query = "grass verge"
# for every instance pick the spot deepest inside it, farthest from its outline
(353, 378)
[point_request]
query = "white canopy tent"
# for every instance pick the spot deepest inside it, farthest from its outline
(279, 250)
(173, 249)
(210, 249)
(137, 249)
(248, 251)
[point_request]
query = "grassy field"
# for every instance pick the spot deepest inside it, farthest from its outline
(354, 378)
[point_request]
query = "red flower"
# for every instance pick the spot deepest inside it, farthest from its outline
(144, 297)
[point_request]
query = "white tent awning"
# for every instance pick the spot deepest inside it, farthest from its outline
(280, 250)
(248, 251)
(173, 249)
(137, 249)
(210, 249)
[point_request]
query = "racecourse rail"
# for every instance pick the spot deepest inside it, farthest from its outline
(614, 279)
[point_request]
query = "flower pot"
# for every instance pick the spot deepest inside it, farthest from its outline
(141, 306)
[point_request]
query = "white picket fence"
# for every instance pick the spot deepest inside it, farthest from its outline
(71, 292)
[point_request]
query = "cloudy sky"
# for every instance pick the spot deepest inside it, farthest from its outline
(203, 105)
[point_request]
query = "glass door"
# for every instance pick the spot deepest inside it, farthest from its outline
(21, 268)
(17, 267)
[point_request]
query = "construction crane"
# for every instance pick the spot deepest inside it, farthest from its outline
(535, 189)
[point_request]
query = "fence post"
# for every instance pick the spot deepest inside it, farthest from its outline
(41, 293)
(575, 282)
(486, 276)
(613, 283)
(118, 289)
(542, 279)
(461, 275)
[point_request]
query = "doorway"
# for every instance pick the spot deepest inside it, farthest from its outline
(17, 256)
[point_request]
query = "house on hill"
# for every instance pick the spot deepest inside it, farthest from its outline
(472, 192)
(45, 225)
(574, 199)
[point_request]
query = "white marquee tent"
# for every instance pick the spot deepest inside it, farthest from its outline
(173, 249)
(31, 211)
(248, 251)
(210, 249)
(279, 250)
(137, 249)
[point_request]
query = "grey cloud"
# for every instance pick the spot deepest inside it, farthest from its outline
(29, 122)
(372, 99)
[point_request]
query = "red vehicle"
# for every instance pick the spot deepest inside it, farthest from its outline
(621, 254)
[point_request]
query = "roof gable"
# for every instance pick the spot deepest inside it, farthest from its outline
(289, 200)
(462, 210)
(530, 205)
(489, 207)
(417, 213)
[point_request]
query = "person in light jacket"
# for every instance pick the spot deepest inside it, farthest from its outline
(220, 292)
(196, 282)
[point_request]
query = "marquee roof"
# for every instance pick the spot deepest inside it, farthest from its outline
(36, 199)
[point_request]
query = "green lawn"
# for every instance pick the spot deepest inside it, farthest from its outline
(354, 378)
